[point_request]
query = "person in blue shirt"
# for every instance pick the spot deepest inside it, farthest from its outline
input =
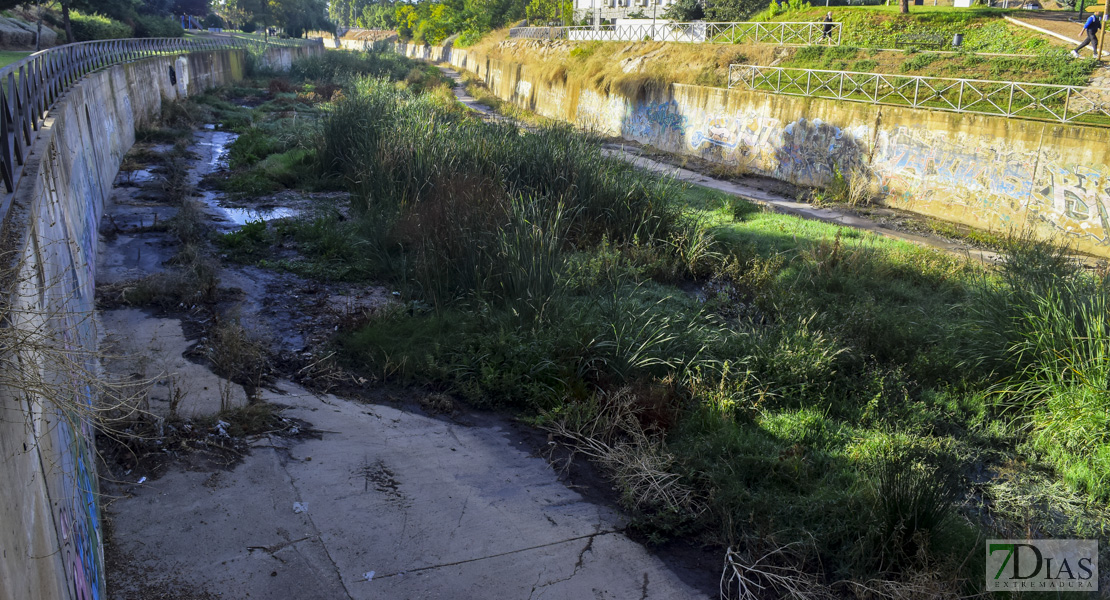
(1090, 28)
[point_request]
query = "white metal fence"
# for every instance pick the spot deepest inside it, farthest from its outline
(1062, 103)
(698, 32)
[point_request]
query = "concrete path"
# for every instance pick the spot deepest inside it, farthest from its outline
(385, 503)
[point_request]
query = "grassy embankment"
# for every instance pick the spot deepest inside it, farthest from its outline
(861, 408)
(868, 32)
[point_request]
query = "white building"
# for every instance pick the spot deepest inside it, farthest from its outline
(607, 10)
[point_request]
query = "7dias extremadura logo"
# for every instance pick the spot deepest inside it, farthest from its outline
(1042, 565)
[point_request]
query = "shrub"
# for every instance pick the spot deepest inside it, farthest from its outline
(151, 26)
(443, 187)
(912, 500)
(89, 27)
(1045, 328)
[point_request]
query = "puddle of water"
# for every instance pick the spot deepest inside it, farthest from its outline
(240, 216)
(214, 158)
(233, 217)
(136, 177)
(217, 141)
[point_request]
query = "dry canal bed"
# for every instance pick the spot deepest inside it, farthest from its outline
(377, 493)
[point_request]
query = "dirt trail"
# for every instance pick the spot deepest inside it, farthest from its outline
(372, 497)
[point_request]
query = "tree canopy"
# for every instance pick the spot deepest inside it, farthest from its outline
(434, 21)
(294, 16)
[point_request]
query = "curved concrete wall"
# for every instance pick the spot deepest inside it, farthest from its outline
(50, 526)
(992, 173)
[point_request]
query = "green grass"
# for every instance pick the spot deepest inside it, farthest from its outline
(984, 31)
(8, 57)
(804, 382)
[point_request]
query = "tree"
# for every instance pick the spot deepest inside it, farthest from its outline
(684, 11)
(300, 16)
(189, 7)
(550, 10)
(381, 15)
(734, 10)
(904, 6)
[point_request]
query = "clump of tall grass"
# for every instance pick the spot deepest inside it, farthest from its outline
(344, 67)
(1045, 327)
(913, 499)
(444, 190)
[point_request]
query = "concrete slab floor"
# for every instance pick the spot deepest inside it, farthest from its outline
(386, 503)
(152, 348)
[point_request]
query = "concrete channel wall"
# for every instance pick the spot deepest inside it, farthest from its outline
(993, 173)
(51, 536)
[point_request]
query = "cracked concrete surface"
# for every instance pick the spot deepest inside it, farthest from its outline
(434, 508)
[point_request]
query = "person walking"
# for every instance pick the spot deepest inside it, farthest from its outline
(1090, 28)
(827, 33)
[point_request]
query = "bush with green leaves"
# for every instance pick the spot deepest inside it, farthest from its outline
(685, 11)
(91, 26)
(152, 26)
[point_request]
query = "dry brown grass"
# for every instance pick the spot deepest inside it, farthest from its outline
(632, 68)
(611, 431)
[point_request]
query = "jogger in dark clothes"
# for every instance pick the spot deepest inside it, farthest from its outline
(827, 34)
(1090, 28)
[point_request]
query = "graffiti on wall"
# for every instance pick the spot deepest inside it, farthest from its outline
(1073, 200)
(551, 100)
(804, 151)
(813, 152)
(524, 89)
(78, 520)
(921, 162)
(66, 248)
(995, 181)
(654, 119)
(718, 130)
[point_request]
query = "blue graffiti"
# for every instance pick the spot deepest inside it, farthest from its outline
(649, 120)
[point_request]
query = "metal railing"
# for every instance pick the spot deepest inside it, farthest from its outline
(1039, 101)
(29, 87)
(702, 33)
